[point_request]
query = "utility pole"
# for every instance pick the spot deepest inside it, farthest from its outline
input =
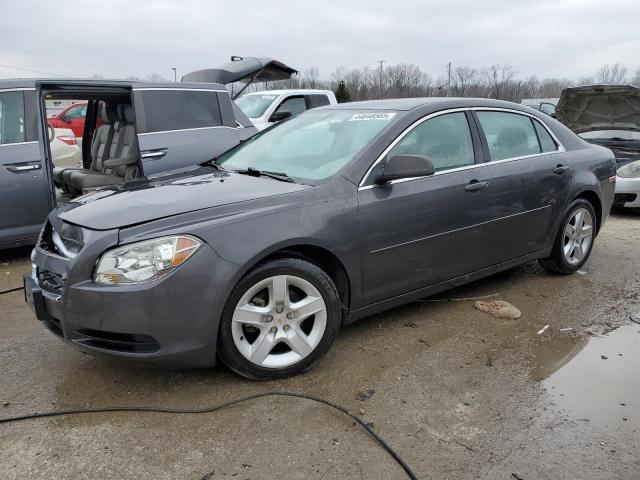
(380, 88)
(175, 74)
(449, 79)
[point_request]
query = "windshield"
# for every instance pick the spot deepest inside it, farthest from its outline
(253, 106)
(309, 147)
(610, 134)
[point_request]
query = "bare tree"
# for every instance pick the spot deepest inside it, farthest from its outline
(463, 78)
(636, 78)
(497, 77)
(608, 74)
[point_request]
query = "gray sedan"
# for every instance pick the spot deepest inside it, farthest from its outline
(260, 256)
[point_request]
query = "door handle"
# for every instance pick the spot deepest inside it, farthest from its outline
(475, 185)
(154, 154)
(16, 167)
(561, 169)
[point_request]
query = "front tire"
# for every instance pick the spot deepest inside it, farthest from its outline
(574, 240)
(280, 320)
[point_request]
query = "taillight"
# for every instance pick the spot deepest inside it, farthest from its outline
(68, 139)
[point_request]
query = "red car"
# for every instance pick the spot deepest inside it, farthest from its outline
(72, 117)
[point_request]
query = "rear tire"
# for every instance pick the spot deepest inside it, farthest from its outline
(280, 320)
(574, 240)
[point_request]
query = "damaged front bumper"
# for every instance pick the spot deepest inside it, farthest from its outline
(171, 321)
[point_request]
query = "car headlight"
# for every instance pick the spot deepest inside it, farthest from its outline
(145, 261)
(630, 170)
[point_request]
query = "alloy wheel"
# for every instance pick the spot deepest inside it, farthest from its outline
(279, 321)
(578, 236)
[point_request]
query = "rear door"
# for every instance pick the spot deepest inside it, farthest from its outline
(179, 127)
(531, 181)
(25, 196)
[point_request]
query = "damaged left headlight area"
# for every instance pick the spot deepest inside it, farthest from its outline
(145, 261)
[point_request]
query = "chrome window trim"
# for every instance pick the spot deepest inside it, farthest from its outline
(18, 89)
(19, 143)
(408, 130)
(186, 130)
(183, 89)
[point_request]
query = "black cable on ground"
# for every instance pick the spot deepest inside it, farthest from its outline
(17, 289)
(214, 408)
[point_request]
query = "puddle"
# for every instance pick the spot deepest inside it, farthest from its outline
(604, 391)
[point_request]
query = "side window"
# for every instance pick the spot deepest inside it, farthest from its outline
(180, 109)
(11, 117)
(509, 135)
(546, 142)
(77, 112)
(295, 105)
(445, 139)
(317, 100)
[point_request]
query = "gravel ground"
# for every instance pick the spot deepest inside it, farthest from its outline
(457, 393)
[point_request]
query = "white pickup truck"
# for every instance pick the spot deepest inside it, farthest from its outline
(270, 106)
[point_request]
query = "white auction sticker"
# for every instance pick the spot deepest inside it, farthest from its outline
(373, 116)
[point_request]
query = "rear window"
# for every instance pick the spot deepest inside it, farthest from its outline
(317, 100)
(166, 110)
(546, 142)
(11, 118)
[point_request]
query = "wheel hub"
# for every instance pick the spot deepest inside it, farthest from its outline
(279, 321)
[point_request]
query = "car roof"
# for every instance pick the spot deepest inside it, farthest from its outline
(34, 82)
(435, 103)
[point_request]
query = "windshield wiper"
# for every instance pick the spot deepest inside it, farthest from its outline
(254, 172)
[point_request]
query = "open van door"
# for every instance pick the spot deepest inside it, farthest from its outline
(25, 192)
(245, 70)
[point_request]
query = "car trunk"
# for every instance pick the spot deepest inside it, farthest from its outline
(245, 70)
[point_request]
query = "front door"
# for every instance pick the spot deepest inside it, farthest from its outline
(423, 231)
(25, 196)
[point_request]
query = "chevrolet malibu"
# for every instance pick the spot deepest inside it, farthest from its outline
(259, 257)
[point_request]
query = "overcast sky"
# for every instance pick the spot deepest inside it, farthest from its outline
(118, 38)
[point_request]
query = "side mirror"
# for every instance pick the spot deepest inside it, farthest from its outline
(65, 119)
(280, 115)
(405, 166)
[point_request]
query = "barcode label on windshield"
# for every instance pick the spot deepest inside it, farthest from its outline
(372, 116)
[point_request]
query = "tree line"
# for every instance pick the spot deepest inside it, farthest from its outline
(406, 80)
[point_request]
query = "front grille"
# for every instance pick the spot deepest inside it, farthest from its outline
(50, 281)
(119, 342)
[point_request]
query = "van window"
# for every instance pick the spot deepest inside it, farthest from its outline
(445, 140)
(180, 109)
(11, 117)
(509, 135)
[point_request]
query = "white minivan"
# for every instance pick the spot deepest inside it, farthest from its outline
(267, 107)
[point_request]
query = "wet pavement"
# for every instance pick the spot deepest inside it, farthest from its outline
(457, 393)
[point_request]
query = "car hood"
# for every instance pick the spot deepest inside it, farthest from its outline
(240, 69)
(600, 107)
(143, 200)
